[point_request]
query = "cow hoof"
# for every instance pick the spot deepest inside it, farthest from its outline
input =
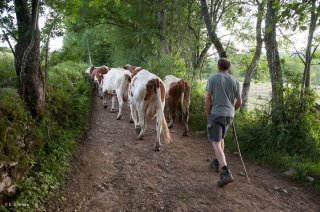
(170, 126)
(157, 148)
(138, 129)
(112, 111)
(101, 97)
(105, 106)
(185, 134)
(118, 117)
(130, 121)
(140, 137)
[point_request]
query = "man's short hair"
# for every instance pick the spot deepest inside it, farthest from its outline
(224, 64)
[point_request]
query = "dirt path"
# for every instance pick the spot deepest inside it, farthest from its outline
(115, 172)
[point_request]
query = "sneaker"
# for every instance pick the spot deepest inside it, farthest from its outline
(215, 165)
(225, 178)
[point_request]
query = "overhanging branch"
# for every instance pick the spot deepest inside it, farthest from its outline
(298, 53)
(8, 41)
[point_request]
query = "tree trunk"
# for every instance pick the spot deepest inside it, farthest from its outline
(162, 25)
(46, 57)
(27, 61)
(256, 57)
(274, 63)
(202, 56)
(211, 31)
(306, 74)
(89, 55)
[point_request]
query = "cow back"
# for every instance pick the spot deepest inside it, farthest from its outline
(179, 94)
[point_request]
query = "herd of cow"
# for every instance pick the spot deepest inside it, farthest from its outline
(148, 96)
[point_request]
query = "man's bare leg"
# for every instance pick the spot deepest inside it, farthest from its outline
(218, 150)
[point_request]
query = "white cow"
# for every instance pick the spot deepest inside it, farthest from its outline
(147, 100)
(116, 83)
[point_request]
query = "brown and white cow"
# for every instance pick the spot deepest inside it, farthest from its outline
(177, 100)
(97, 78)
(147, 100)
(133, 69)
(89, 70)
(116, 83)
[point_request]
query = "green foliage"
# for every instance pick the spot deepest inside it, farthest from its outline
(167, 65)
(295, 143)
(198, 120)
(126, 32)
(240, 63)
(315, 70)
(65, 118)
(15, 126)
(7, 73)
(294, 14)
(43, 149)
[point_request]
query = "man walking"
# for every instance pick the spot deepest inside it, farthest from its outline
(223, 98)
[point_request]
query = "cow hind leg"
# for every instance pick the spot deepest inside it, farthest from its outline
(120, 108)
(112, 104)
(100, 93)
(105, 106)
(185, 120)
(142, 122)
(133, 111)
(131, 116)
(170, 119)
(173, 117)
(159, 130)
(131, 119)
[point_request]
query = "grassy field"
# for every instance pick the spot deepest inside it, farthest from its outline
(260, 94)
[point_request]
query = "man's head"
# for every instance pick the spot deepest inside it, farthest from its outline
(223, 64)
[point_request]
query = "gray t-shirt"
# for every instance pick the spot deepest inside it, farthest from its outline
(224, 88)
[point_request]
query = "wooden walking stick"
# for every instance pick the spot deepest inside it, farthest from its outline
(237, 142)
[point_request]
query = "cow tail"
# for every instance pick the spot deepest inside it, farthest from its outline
(124, 86)
(165, 129)
(183, 88)
(186, 100)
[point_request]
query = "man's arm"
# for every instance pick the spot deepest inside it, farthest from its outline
(208, 103)
(238, 103)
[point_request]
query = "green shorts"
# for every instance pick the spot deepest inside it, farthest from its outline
(218, 127)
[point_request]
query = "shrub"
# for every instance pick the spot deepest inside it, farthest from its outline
(295, 143)
(7, 73)
(197, 120)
